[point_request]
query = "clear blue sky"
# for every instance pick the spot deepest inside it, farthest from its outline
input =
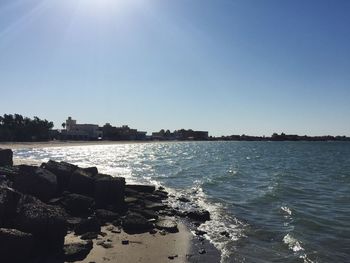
(226, 66)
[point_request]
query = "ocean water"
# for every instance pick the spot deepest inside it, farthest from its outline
(280, 201)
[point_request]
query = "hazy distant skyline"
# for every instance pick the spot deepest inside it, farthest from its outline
(229, 67)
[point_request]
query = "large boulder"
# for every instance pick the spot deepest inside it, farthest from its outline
(78, 205)
(16, 246)
(63, 172)
(6, 156)
(141, 188)
(106, 216)
(8, 203)
(35, 181)
(90, 224)
(45, 222)
(134, 223)
(81, 182)
(110, 191)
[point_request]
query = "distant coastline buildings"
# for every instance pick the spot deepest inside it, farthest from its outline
(74, 131)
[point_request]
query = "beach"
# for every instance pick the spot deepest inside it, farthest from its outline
(154, 246)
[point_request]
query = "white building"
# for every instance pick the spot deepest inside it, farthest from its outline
(81, 131)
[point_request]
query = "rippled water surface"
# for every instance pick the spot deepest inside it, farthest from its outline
(280, 201)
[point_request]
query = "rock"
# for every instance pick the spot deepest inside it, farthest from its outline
(62, 170)
(89, 236)
(202, 251)
(200, 232)
(125, 242)
(199, 215)
(76, 251)
(6, 156)
(4, 181)
(45, 222)
(16, 246)
(136, 223)
(81, 182)
(78, 205)
(91, 170)
(162, 194)
(36, 181)
(149, 214)
(9, 171)
(155, 206)
(8, 203)
(110, 191)
(131, 200)
(90, 224)
(225, 233)
(72, 222)
(106, 244)
(141, 188)
(183, 199)
(168, 225)
(106, 216)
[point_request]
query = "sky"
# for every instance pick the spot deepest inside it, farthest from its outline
(225, 66)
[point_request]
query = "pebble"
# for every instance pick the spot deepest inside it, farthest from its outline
(125, 242)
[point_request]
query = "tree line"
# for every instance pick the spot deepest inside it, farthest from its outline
(15, 127)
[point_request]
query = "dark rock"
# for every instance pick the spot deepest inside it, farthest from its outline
(225, 233)
(155, 206)
(8, 203)
(168, 225)
(202, 251)
(128, 192)
(183, 199)
(200, 232)
(16, 246)
(62, 170)
(9, 171)
(77, 251)
(106, 216)
(4, 181)
(130, 200)
(90, 224)
(162, 194)
(141, 188)
(44, 221)
(199, 215)
(146, 213)
(91, 170)
(136, 223)
(36, 181)
(81, 182)
(78, 205)
(6, 156)
(125, 242)
(153, 198)
(110, 191)
(89, 236)
(72, 222)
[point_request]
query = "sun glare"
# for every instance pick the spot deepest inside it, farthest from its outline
(101, 5)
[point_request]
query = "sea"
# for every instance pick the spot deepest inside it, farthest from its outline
(279, 201)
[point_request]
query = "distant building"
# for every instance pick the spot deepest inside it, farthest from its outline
(76, 131)
(123, 133)
(180, 135)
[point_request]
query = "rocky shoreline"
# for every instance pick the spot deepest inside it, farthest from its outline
(40, 206)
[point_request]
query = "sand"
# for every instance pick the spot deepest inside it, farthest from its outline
(145, 247)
